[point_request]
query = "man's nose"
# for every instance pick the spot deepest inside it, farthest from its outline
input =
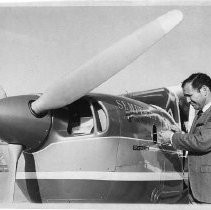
(188, 99)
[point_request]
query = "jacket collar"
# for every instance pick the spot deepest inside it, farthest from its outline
(206, 107)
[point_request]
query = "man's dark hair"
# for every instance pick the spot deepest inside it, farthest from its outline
(197, 80)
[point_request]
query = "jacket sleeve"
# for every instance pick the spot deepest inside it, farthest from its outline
(198, 142)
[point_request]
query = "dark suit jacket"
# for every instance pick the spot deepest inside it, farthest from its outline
(198, 143)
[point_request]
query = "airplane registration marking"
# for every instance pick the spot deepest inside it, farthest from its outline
(130, 108)
(106, 176)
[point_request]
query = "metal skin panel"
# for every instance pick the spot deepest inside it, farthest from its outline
(116, 165)
(93, 154)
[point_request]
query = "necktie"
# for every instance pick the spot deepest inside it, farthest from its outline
(199, 113)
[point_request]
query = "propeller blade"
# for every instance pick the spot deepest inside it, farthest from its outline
(14, 154)
(105, 65)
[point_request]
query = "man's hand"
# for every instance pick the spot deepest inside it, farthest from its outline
(175, 128)
(165, 136)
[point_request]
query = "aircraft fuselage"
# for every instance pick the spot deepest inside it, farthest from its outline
(102, 148)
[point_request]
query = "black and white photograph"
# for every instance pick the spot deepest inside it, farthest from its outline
(105, 104)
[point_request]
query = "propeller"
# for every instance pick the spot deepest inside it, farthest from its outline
(23, 122)
(22, 131)
(105, 65)
(14, 151)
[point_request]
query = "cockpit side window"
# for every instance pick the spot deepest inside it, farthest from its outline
(101, 119)
(80, 119)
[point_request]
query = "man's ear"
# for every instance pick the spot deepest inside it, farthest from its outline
(204, 90)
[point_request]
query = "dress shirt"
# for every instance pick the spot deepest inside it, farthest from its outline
(206, 107)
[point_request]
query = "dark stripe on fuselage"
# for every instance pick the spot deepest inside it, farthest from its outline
(66, 191)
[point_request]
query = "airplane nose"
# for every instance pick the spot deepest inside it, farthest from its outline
(19, 126)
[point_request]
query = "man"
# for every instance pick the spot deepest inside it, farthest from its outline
(197, 90)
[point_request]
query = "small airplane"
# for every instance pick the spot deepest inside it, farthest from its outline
(70, 145)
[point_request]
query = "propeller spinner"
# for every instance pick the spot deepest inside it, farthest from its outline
(18, 119)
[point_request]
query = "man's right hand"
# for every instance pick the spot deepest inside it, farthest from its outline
(165, 136)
